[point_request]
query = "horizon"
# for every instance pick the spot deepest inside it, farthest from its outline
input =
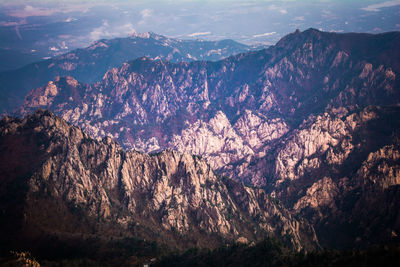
(47, 28)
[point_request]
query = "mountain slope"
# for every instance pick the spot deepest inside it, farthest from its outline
(257, 97)
(90, 64)
(342, 172)
(300, 118)
(57, 182)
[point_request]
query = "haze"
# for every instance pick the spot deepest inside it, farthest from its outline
(43, 29)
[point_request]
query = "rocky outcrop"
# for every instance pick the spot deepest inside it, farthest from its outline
(89, 64)
(216, 140)
(175, 195)
(258, 97)
(352, 183)
(303, 119)
(381, 168)
(321, 193)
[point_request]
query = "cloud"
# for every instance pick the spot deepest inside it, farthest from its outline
(70, 19)
(12, 23)
(195, 34)
(124, 30)
(277, 8)
(33, 11)
(65, 36)
(100, 32)
(327, 14)
(301, 18)
(146, 13)
(30, 11)
(377, 7)
(111, 31)
(264, 34)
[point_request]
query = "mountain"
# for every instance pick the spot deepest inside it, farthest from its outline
(13, 59)
(270, 253)
(313, 120)
(343, 173)
(59, 186)
(90, 64)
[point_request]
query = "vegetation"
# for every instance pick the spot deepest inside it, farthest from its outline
(271, 252)
(131, 252)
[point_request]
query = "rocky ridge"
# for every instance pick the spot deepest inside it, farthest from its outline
(299, 119)
(346, 182)
(168, 197)
(89, 64)
(152, 105)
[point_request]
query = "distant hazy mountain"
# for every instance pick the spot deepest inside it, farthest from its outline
(89, 64)
(14, 59)
(313, 119)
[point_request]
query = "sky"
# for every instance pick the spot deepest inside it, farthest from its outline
(54, 27)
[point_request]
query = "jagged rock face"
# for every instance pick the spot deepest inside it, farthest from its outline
(175, 195)
(231, 111)
(346, 182)
(293, 118)
(89, 64)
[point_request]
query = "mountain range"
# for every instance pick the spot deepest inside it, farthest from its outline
(71, 187)
(295, 139)
(89, 64)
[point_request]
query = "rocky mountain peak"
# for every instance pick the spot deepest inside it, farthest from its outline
(297, 37)
(89, 64)
(175, 194)
(312, 120)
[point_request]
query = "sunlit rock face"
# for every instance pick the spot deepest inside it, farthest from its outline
(297, 118)
(348, 181)
(173, 194)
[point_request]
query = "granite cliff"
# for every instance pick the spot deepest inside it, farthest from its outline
(312, 120)
(59, 182)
